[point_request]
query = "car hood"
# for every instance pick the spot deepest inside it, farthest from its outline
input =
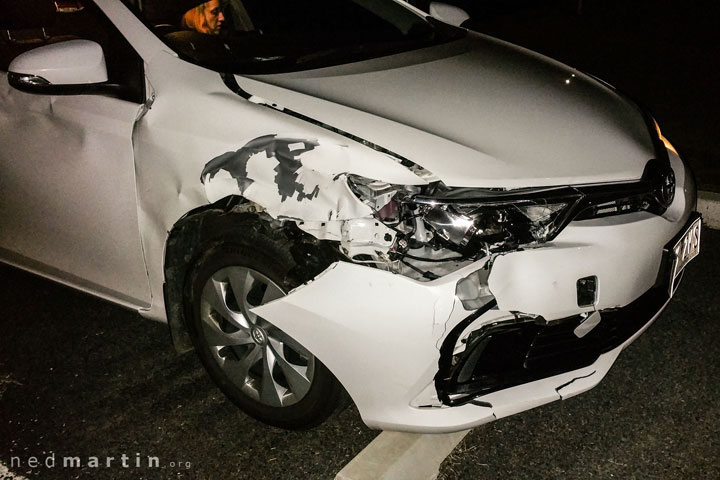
(477, 112)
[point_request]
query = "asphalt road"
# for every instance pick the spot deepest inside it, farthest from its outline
(81, 377)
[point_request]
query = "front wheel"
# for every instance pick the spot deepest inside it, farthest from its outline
(262, 369)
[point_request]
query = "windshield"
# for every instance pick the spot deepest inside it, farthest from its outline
(267, 36)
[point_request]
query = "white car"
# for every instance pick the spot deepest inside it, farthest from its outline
(341, 194)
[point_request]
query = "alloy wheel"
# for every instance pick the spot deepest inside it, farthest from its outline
(266, 364)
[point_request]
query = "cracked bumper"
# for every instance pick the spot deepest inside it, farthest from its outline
(381, 334)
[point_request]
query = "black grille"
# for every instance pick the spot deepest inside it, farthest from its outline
(512, 353)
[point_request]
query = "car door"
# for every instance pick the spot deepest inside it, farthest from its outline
(68, 206)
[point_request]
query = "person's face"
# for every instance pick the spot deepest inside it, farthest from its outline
(213, 16)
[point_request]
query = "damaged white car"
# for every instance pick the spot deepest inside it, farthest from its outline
(340, 194)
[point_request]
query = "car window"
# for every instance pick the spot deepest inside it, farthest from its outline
(32, 23)
(258, 36)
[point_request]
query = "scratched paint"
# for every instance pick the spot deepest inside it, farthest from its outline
(286, 151)
(289, 176)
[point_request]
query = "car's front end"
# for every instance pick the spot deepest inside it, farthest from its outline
(347, 193)
(495, 227)
(451, 327)
(531, 240)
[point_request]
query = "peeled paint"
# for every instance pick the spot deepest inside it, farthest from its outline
(290, 177)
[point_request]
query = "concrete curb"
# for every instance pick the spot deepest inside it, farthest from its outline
(709, 208)
(401, 456)
(7, 474)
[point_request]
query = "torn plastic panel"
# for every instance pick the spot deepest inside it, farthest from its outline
(473, 291)
(282, 175)
(304, 181)
(425, 231)
(527, 348)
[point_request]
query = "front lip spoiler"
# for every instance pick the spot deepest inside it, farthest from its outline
(514, 352)
(507, 354)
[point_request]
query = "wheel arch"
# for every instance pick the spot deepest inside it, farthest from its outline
(203, 226)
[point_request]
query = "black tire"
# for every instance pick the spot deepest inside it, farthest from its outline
(262, 257)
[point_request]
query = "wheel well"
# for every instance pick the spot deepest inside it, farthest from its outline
(211, 224)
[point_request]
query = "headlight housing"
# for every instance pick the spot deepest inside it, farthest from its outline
(474, 222)
(498, 222)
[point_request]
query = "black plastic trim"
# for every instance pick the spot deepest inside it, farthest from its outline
(510, 353)
(39, 86)
(505, 355)
(448, 346)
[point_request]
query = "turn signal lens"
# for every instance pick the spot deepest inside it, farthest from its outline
(667, 143)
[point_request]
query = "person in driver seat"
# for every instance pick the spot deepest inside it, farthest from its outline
(206, 18)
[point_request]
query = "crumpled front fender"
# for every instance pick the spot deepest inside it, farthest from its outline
(376, 331)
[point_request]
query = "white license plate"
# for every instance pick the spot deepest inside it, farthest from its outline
(686, 248)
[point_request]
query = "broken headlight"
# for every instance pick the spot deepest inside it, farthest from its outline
(494, 223)
(475, 221)
(467, 221)
(384, 198)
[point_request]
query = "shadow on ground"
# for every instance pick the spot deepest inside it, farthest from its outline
(81, 377)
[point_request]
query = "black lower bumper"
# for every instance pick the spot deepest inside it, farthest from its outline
(507, 354)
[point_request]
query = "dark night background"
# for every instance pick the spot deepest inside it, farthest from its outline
(79, 376)
(663, 53)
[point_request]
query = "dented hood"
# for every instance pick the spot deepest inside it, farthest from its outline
(477, 112)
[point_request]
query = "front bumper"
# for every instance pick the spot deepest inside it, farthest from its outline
(525, 349)
(382, 334)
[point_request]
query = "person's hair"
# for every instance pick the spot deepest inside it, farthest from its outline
(196, 19)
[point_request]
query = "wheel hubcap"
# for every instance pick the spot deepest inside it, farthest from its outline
(258, 335)
(263, 361)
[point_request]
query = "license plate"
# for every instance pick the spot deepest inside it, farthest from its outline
(684, 250)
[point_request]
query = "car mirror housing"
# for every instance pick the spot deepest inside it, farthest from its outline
(73, 67)
(448, 13)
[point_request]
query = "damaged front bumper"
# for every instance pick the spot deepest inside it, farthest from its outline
(525, 349)
(413, 357)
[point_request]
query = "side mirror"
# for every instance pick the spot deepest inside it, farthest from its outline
(74, 67)
(448, 13)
